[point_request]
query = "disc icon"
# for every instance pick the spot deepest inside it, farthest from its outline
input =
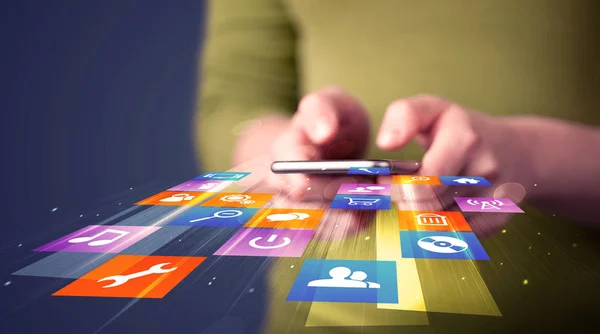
(442, 244)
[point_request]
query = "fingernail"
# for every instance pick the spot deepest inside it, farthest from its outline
(385, 138)
(322, 130)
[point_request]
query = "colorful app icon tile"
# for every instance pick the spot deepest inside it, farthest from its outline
(346, 281)
(201, 186)
(416, 179)
(432, 221)
(441, 245)
(287, 218)
(175, 198)
(214, 216)
(157, 240)
(375, 171)
(99, 239)
(267, 242)
(464, 181)
(487, 204)
(361, 202)
(65, 265)
(239, 200)
(364, 189)
(133, 276)
(222, 176)
(197, 240)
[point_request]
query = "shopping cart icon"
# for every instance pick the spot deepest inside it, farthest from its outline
(361, 201)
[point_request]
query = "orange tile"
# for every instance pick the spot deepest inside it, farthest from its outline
(287, 218)
(432, 221)
(239, 200)
(176, 198)
(155, 285)
(415, 179)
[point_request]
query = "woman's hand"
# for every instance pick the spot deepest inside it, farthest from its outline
(329, 124)
(459, 142)
(547, 162)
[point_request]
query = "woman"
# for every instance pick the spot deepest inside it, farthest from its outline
(520, 83)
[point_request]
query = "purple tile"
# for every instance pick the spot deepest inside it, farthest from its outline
(486, 204)
(267, 242)
(99, 239)
(364, 189)
(201, 186)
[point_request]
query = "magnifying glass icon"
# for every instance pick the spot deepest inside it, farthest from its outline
(419, 178)
(220, 214)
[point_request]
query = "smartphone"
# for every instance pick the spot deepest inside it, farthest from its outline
(342, 166)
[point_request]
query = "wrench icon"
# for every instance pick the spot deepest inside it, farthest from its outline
(122, 279)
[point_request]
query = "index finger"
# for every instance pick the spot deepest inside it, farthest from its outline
(404, 119)
(446, 126)
(324, 115)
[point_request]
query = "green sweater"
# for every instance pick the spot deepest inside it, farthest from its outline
(500, 57)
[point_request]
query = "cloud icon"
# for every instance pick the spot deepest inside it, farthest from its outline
(281, 217)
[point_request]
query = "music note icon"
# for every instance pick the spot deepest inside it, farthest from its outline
(101, 242)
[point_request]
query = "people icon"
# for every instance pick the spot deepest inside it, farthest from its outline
(368, 189)
(342, 277)
(361, 276)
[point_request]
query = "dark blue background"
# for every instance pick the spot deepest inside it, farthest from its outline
(97, 97)
(96, 100)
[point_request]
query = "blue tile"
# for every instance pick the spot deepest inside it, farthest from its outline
(471, 181)
(222, 176)
(361, 202)
(441, 245)
(353, 281)
(368, 171)
(214, 216)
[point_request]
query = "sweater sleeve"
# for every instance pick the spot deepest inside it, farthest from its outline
(248, 70)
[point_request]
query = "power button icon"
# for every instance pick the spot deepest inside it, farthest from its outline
(267, 242)
(270, 243)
